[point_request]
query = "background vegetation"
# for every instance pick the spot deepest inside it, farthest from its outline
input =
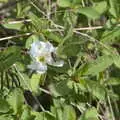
(87, 34)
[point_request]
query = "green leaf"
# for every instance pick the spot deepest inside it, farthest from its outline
(63, 111)
(34, 82)
(6, 117)
(113, 81)
(71, 49)
(114, 8)
(22, 9)
(43, 116)
(90, 114)
(64, 3)
(89, 12)
(96, 89)
(4, 106)
(95, 11)
(16, 26)
(111, 36)
(30, 40)
(9, 56)
(69, 113)
(77, 87)
(60, 88)
(16, 100)
(68, 3)
(100, 7)
(3, 0)
(98, 65)
(26, 114)
(116, 58)
(52, 36)
(38, 23)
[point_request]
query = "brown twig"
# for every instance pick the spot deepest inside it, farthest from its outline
(15, 36)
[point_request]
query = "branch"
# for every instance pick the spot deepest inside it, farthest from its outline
(61, 27)
(15, 36)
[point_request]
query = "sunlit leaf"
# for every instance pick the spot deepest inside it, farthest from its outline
(114, 8)
(69, 113)
(98, 65)
(34, 82)
(95, 11)
(26, 114)
(16, 100)
(90, 114)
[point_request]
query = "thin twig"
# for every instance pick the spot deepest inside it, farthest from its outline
(56, 25)
(89, 28)
(39, 10)
(20, 21)
(90, 38)
(15, 36)
(61, 27)
(45, 91)
(111, 110)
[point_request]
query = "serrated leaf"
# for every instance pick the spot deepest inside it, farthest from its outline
(111, 36)
(4, 106)
(71, 49)
(96, 89)
(16, 100)
(60, 88)
(98, 65)
(9, 56)
(38, 23)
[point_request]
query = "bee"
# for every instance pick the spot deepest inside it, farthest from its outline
(53, 55)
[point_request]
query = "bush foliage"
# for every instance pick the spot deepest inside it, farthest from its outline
(87, 36)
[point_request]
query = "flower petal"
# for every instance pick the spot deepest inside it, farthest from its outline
(34, 50)
(48, 59)
(58, 63)
(38, 66)
(40, 48)
(49, 47)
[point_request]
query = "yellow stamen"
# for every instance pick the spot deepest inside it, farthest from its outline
(41, 58)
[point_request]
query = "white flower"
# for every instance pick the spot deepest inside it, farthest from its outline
(41, 53)
(38, 66)
(40, 48)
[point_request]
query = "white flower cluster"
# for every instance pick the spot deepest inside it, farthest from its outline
(41, 53)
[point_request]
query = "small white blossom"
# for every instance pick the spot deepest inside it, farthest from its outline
(40, 48)
(38, 66)
(41, 55)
